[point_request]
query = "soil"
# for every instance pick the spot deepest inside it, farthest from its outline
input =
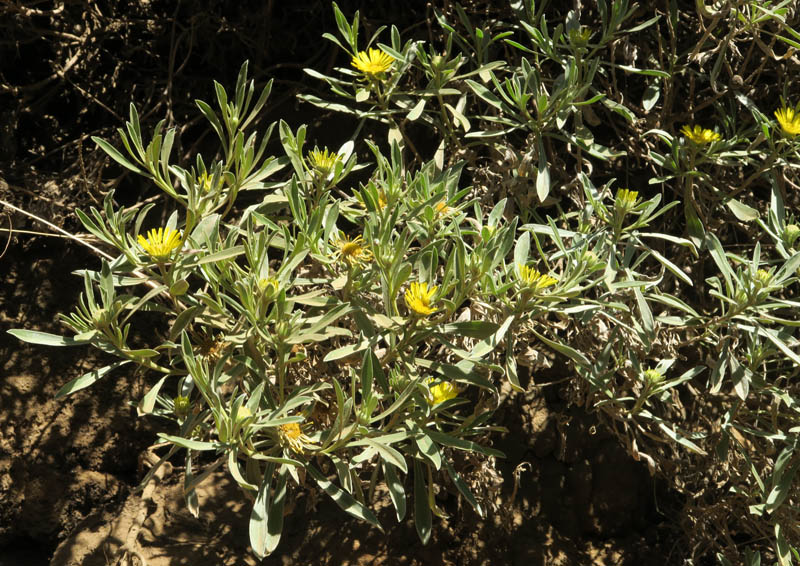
(567, 493)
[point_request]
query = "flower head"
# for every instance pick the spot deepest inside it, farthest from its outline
(653, 377)
(700, 135)
(442, 209)
(352, 252)
(292, 437)
(626, 200)
(441, 392)
(418, 298)
(373, 63)
(160, 243)
(789, 119)
(322, 162)
(532, 279)
(763, 278)
(791, 233)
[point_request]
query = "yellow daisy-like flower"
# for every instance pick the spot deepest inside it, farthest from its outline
(418, 298)
(160, 243)
(700, 135)
(352, 252)
(530, 277)
(789, 120)
(292, 437)
(442, 209)
(441, 392)
(373, 62)
(322, 162)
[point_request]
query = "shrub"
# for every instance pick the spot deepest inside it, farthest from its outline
(352, 324)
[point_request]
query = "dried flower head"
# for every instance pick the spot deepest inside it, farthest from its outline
(322, 162)
(352, 252)
(789, 119)
(700, 135)
(441, 392)
(373, 63)
(160, 243)
(534, 280)
(418, 298)
(292, 437)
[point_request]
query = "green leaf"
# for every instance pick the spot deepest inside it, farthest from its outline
(742, 211)
(88, 379)
(222, 255)
(343, 499)
(259, 515)
(44, 339)
(114, 154)
(396, 491)
(149, 400)
(188, 443)
(275, 518)
(422, 510)
(388, 454)
(463, 488)
(416, 112)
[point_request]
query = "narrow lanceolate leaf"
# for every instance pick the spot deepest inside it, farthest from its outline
(88, 379)
(44, 338)
(422, 510)
(463, 488)
(275, 518)
(188, 443)
(396, 491)
(259, 514)
(343, 499)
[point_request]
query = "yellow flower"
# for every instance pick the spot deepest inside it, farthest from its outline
(789, 120)
(653, 377)
(352, 252)
(292, 437)
(442, 209)
(533, 279)
(204, 182)
(382, 202)
(763, 278)
(160, 243)
(418, 298)
(700, 135)
(374, 63)
(626, 200)
(441, 392)
(322, 162)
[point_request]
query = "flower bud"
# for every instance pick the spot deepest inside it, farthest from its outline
(182, 406)
(653, 377)
(791, 234)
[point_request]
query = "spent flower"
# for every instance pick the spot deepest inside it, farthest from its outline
(352, 252)
(292, 437)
